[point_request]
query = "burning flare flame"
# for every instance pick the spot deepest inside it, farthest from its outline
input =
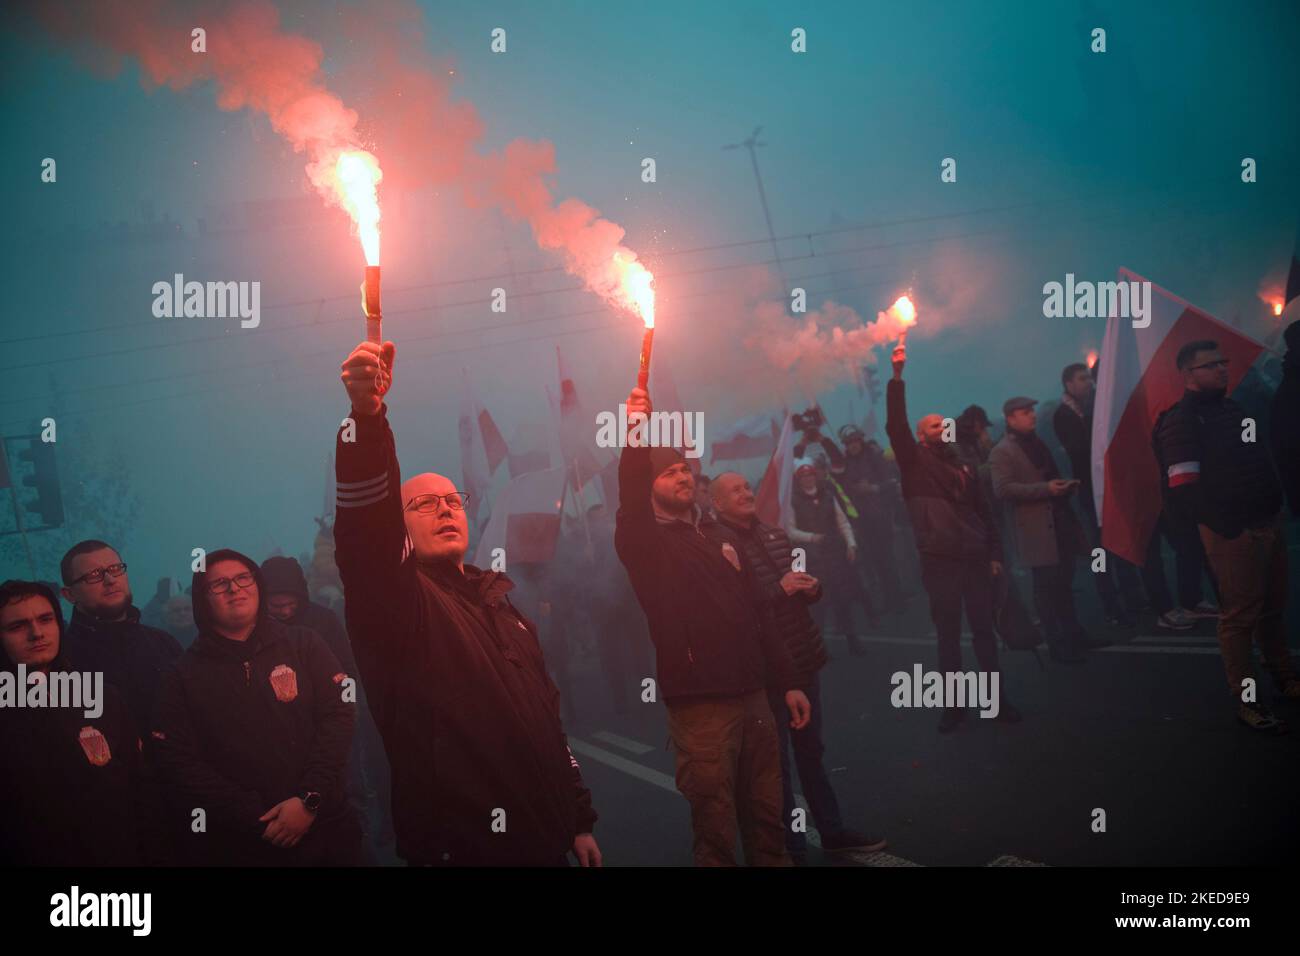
(354, 180)
(1277, 308)
(904, 311)
(634, 288)
(1092, 358)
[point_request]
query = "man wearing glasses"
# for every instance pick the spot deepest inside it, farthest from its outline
(105, 633)
(1227, 485)
(253, 728)
(454, 675)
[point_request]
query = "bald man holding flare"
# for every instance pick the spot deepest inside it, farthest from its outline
(482, 772)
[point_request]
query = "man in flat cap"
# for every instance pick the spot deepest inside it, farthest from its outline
(1047, 531)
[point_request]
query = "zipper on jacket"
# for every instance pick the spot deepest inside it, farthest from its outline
(248, 673)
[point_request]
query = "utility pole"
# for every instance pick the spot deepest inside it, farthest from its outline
(752, 144)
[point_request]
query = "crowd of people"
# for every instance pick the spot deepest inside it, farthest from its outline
(432, 717)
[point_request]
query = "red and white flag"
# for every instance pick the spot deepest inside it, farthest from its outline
(525, 519)
(773, 495)
(1138, 380)
(531, 449)
(750, 437)
(577, 430)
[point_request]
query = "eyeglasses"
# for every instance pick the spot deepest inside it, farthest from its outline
(428, 504)
(97, 575)
(222, 585)
(1217, 364)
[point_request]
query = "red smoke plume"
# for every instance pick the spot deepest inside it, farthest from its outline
(254, 63)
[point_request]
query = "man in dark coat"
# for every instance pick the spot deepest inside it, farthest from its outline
(482, 772)
(1227, 486)
(785, 594)
(70, 794)
(715, 656)
(106, 634)
(252, 732)
(957, 539)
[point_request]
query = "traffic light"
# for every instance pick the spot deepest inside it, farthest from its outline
(45, 479)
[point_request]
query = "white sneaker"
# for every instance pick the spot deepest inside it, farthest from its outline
(1203, 610)
(1175, 620)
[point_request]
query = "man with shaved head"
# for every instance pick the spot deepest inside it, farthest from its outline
(482, 772)
(955, 535)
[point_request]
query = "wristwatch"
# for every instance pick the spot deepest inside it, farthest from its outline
(310, 799)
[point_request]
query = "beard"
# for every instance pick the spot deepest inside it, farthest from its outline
(671, 504)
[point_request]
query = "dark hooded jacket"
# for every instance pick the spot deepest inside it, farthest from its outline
(70, 794)
(281, 575)
(482, 772)
(950, 515)
(711, 638)
(131, 655)
(244, 725)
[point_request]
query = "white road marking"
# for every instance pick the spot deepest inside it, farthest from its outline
(625, 743)
(630, 767)
(665, 782)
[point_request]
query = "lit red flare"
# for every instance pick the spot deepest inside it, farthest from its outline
(635, 287)
(354, 180)
(903, 312)
(1092, 358)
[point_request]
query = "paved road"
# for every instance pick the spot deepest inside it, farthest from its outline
(1145, 730)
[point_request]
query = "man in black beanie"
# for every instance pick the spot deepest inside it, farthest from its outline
(253, 728)
(715, 654)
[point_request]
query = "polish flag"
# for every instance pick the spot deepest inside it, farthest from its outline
(578, 430)
(531, 449)
(750, 437)
(773, 495)
(1137, 381)
(525, 519)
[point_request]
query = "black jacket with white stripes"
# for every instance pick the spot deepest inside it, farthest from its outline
(482, 773)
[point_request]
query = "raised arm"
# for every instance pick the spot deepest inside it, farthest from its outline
(380, 592)
(636, 538)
